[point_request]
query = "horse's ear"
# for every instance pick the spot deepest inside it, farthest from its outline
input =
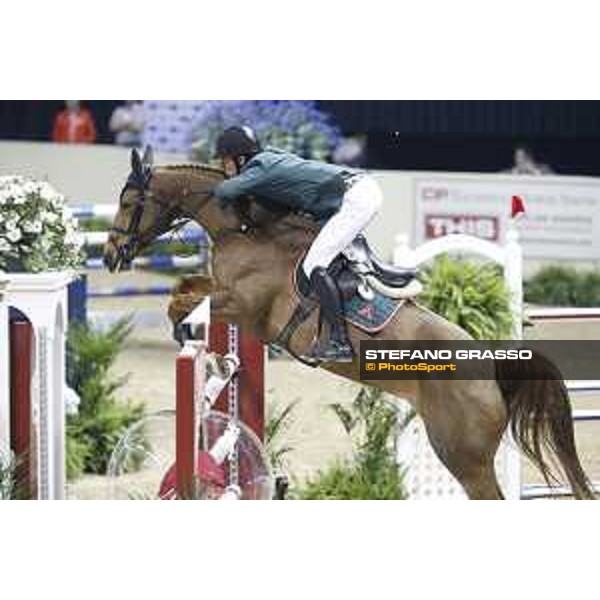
(148, 156)
(136, 162)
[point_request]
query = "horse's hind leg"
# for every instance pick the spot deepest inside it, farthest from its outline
(474, 469)
(465, 432)
(483, 485)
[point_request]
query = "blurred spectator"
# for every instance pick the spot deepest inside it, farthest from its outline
(525, 163)
(351, 151)
(74, 125)
(127, 123)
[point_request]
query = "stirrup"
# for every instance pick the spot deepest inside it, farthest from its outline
(332, 351)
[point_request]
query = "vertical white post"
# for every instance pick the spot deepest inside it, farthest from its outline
(57, 363)
(4, 368)
(42, 297)
(513, 274)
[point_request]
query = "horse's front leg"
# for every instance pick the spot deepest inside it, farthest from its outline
(185, 298)
(200, 285)
(187, 294)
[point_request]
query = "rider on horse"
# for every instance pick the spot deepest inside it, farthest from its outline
(342, 200)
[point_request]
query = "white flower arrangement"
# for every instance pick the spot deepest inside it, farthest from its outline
(37, 230)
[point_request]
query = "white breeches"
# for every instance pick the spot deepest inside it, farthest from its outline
(360, 204)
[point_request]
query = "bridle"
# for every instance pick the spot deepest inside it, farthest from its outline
(140, 181)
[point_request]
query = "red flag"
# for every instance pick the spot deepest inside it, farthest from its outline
(517, 209)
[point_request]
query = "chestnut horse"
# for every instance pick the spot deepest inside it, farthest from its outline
(250, 284)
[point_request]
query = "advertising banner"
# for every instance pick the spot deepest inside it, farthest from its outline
(562, 219)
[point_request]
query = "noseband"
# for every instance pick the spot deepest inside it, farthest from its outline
(139, 182)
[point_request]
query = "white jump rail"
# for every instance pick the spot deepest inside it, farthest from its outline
(562, 314)
(584, 388)
(91, 211)
(186, 235)
(536, 491)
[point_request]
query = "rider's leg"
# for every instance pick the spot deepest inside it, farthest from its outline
(361, 203)
(337, 346)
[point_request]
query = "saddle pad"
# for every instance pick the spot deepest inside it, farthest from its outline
(371, 316)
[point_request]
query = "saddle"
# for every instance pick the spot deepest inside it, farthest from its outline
(372, 292)
(358, 271)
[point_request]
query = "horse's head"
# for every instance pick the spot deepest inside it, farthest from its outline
(156, 200)
(143, 214)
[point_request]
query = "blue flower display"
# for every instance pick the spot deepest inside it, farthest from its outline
(294, 125)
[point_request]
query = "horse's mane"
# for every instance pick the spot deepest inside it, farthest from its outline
(194, 167)
(288, 228)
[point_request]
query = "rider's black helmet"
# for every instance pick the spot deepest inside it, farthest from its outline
(237, 142)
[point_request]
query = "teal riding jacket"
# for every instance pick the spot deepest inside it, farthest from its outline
(307, 186)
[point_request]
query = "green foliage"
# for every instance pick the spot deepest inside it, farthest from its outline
(14, 480)
(95, 224)
(470, 294)
(7, 476)
(371, 423)
(93, 433)
(277, 423)
(563, 286)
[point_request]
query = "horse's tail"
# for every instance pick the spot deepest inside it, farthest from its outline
(540, 419)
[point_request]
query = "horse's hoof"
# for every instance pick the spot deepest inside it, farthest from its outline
(180, 333)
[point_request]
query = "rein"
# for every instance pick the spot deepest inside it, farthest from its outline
(141, 183)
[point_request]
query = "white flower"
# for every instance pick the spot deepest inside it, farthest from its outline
(14, 235)
(51, 234)
(72, 238)
(72, 401)
(33, 227)
(48, 216)
(30, 187)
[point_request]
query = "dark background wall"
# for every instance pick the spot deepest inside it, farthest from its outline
(466, 135)
(440, 135)
(33, 119)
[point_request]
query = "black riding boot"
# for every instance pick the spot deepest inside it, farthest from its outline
(337, 347)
